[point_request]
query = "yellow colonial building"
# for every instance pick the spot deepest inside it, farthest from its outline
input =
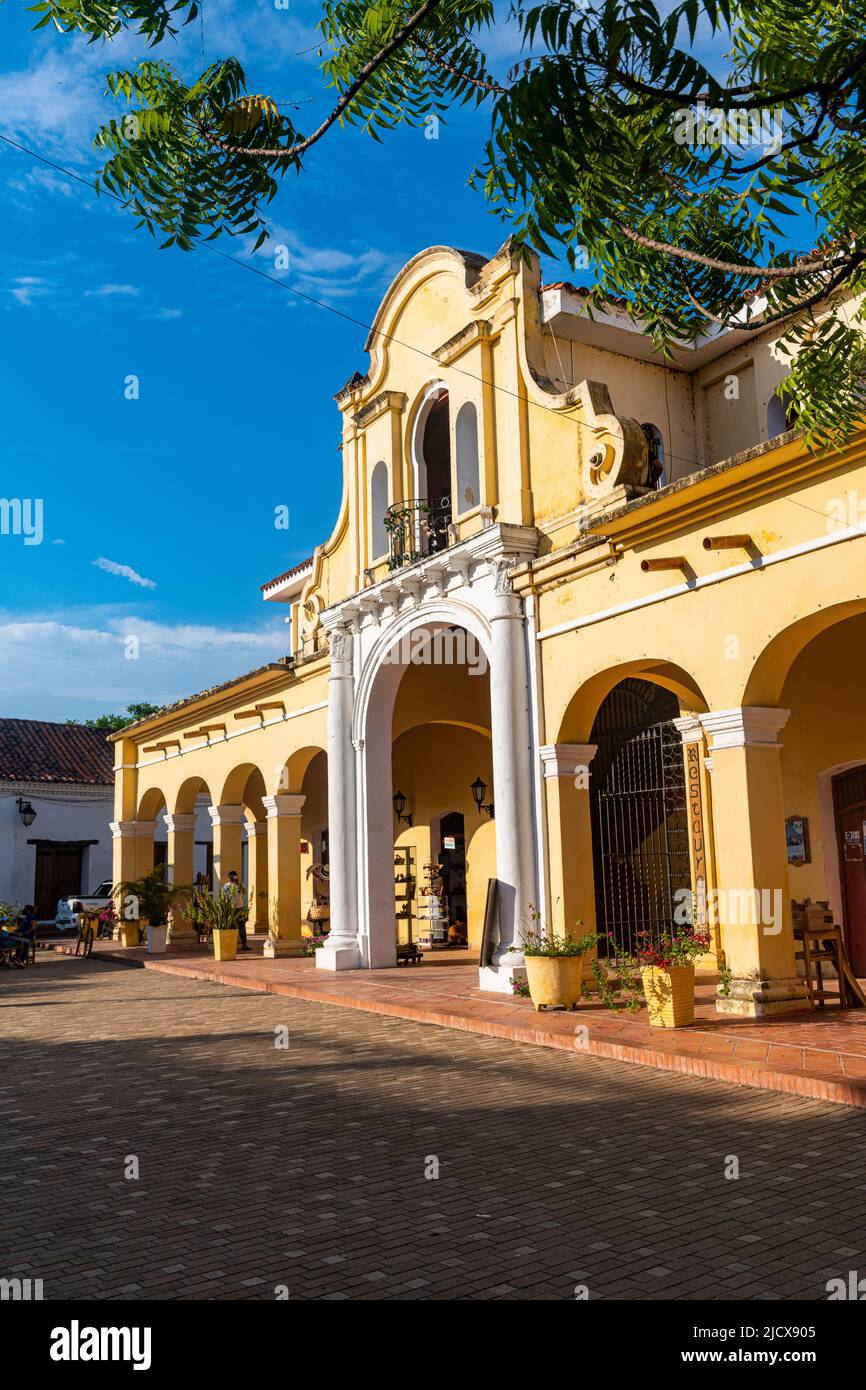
(587, 638)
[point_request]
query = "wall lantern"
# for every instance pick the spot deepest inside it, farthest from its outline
(26, 812)
(399, 807)
(479, 791)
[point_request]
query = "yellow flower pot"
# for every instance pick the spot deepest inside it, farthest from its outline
(554, 981)
(225, 944)
(129, 934)
(670, 995)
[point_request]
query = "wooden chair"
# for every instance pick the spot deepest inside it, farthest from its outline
(821, 943)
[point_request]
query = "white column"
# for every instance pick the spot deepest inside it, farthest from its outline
(342, 949)
(512, 782)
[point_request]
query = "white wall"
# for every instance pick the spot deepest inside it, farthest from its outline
(60, 815)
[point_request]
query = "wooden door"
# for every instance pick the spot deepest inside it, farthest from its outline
(850, 797)
(58, 875)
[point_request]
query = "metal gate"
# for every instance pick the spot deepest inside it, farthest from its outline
(639, 813)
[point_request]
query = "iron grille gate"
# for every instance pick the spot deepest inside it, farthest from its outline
(639, 830)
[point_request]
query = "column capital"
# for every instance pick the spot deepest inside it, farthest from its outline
(226, 815)
(258, 827)
(564, 759)
(122, 829)
(746, 726)
(144, 829)
(690, 728)
(181, 823)
(283, 804)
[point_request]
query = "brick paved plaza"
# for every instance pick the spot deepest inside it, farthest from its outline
(304, 1167)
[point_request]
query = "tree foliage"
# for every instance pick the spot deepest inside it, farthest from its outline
(111, 723)
(612, 144)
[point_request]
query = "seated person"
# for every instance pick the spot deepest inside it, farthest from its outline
(27, 922)
(10, 939)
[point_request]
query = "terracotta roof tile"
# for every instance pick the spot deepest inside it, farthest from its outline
(287, 574)
(33, 750)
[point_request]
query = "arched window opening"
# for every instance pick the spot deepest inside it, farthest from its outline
(781, 413)
(656, 474)
(436, 457)
(468, 489)
(378, 508)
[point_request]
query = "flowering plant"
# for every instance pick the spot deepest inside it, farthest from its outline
(683, 946)
(313, 943)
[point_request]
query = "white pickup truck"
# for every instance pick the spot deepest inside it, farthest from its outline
(70, 910)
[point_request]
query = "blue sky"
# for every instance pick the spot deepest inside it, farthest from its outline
(235, 413)
(159, 512)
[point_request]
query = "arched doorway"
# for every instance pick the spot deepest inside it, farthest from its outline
(432, 449)
(638, 812)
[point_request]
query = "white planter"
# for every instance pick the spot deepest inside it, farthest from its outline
(157, 940)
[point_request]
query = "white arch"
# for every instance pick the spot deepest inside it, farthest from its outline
(371, 734)
(433, 614)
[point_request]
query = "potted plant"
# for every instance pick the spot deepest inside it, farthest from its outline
(219, 913)
(554, 964)
(667, 969)
(151, 898)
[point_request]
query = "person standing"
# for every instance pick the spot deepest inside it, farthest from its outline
(234, 891)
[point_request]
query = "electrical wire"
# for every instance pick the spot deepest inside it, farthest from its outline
(360, 323)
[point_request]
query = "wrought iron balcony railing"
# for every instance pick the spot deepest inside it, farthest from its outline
(416, 529)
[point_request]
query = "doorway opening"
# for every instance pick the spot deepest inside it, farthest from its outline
(452, 863)
(58, 875)
(638, 807)
(436, 460)
(849, 803)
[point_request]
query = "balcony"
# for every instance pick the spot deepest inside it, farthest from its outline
(417, 529)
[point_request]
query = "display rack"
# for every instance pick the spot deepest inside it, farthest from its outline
(432, 910)
(405, 885)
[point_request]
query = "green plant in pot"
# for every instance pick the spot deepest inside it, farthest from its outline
(148, 899)
(219, 913)
(554, 963)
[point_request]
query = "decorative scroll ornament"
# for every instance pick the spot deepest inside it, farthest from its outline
(502, 576)
(341, 647)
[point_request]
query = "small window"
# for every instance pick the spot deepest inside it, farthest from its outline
(781, 413)
(656, 475)
(378, 508)
(468, 488)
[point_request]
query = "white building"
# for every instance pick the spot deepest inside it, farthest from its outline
(56, 798)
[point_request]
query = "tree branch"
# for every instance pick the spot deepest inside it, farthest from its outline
(348, 96)
(812, 264)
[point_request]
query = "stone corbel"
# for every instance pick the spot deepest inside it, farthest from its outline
(617, 455)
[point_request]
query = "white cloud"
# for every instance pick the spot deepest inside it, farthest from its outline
(83, 664)
(26, 288)
(189, 637)
(168, 314)
(124, 572)
(110, 291)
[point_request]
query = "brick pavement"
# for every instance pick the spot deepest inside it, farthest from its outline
(304, 1167)
(821, 1055)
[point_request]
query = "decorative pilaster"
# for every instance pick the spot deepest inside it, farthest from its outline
(181, 855)
(144, 832)
(342, 949)
(284, 874)
(257, 872)
(512, 781)
(227, 824)
(123, 860)
(752, 901)
(566, 769)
